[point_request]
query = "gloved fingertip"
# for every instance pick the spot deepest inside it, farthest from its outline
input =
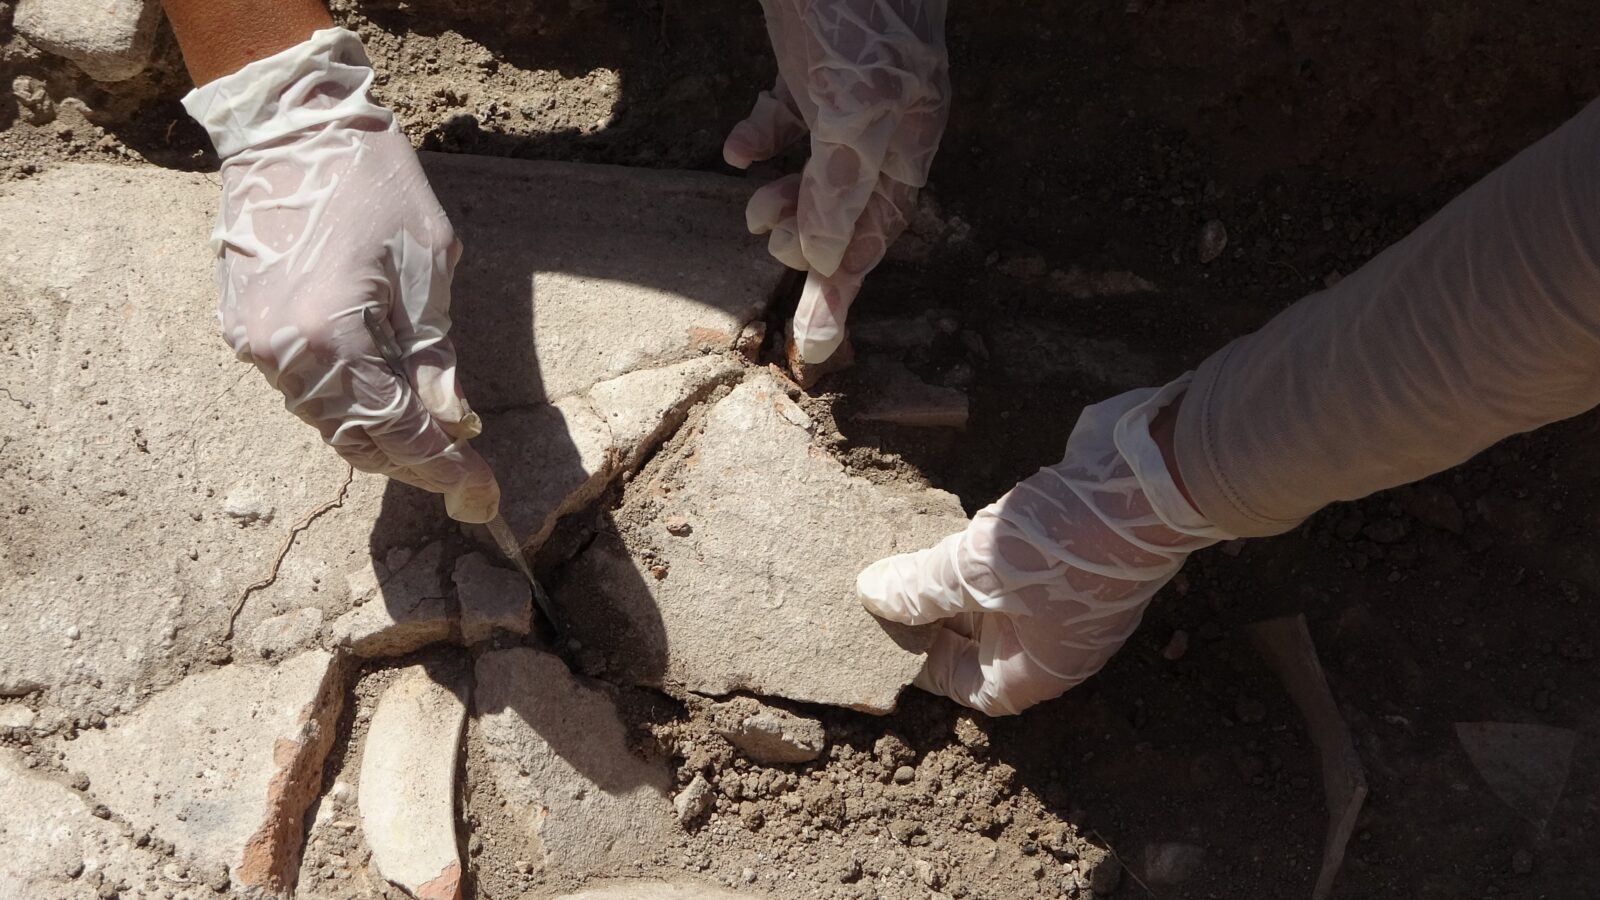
(735, 154)
(877, 591)
(814, 346)
(476, 500)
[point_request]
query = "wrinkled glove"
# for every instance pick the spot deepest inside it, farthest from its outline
(1047, 583)
(327, 224)
(869, 79)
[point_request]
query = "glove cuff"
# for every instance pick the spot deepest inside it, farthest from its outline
(324, 79)
(1132, 437)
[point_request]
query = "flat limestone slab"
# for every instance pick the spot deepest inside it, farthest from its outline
(560, 780)
(224, 765)
(734, 565)
(55, 847)
(408, 780)
(152, 481)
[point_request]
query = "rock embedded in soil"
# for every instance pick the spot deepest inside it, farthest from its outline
(894, 395)
(760, 596)
(491, 597)
(224, 765)
(110, 40)
(408, 780)
(767, 734)
(557, 753)
(1213, 239)
(692, 802)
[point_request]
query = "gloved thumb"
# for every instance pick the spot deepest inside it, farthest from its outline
(773, 124)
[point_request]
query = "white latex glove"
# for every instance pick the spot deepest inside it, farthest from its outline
(326, 214)
(1047, 583)
(870, 80)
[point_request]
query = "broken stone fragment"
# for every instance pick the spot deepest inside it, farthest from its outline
(894, 395)
(408, 779)
(491, 597)
(767, 734)
(557, 754)
(253, 740)
(110, 40)
(396, 612)
(693, 801)
(780, 531)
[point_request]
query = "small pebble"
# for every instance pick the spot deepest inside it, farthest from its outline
(748, 876)
(904, 775)
(678, 525)
(73, 633)
(1212, 241)
(1177, 645)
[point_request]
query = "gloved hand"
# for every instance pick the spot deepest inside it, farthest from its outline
(327, 219)
(869, 79)
(1047, 583)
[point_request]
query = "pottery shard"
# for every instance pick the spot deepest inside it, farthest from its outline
(408, 779)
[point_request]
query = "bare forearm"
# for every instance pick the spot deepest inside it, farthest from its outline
(220, 36)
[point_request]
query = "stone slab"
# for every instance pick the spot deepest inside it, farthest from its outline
(110, 40)
(55, 846)
(752, 587)
(491, 597)
(557, 755)
(224, 765)
(398, 610)
(153, 482)
(407, 786)
(607, 269)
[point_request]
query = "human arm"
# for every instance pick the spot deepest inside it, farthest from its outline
(220, 36)
(1483, 323)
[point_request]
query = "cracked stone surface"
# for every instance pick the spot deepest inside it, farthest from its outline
(154, 482)
(491, 597)
(408, 779)
(752, 585)
(56, 847)
(224, 765)
(399, 609)
(110, 40)
(556, 770)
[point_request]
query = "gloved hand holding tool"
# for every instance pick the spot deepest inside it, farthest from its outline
(334, 264)
(869, 79)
